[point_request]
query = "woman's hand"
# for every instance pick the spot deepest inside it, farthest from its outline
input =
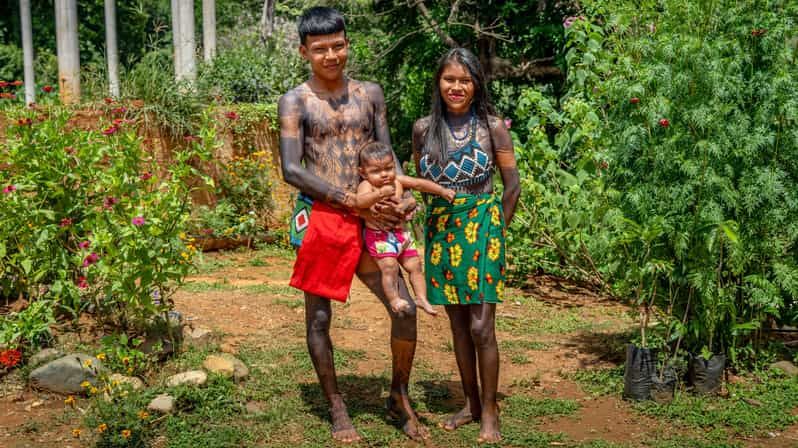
(383, 215)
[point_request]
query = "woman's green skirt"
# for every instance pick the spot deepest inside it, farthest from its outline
(464, 251)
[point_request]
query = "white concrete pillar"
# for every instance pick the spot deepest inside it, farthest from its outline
(209, 29)
(112, 52)
(27, 51)
(66, 36)
(188, 46)
(176, 37)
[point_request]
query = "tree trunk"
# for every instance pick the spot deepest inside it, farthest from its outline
(188, 64)
(111, 48)
(209, 29)
(27, 50)
(66, 35)
(267, 19)
(176, 37)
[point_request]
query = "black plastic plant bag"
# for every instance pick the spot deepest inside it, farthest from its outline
(641, 366)
(706, 375)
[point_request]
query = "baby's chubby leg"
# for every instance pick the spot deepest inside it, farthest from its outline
(389, 270)
(412, 265)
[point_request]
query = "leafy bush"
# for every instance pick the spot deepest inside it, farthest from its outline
(88, 218)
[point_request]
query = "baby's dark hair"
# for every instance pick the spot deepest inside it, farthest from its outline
(320, 20)
(374, 151)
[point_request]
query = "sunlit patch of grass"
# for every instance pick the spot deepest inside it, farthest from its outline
(599, 381)
(525, 407)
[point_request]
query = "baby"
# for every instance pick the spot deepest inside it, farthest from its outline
(393, 247)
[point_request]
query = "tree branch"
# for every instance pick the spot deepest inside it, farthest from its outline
(535, 68)
(422, 8)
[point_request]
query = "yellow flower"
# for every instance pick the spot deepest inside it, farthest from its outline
(85, 384)
(144, 415)
(129, 370)
(185, 255)
(450, 291)
(441, 224)
(70, 401)
(435, 256)
(93, 390)
(495, 217)
(471, 232)
(229, 230)
(101, 356)
(455, 255)
(125, 360)
(126, 433)
(102, 428)
(494, 249)
(76, 432)
(182, 235)
(473, 278)
(87, 363)
(500, 289)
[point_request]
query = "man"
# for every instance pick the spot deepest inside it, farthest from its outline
(323, 123)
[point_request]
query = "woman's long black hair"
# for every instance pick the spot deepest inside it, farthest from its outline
(435, 142)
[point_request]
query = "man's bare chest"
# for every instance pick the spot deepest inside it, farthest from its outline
(350, 117)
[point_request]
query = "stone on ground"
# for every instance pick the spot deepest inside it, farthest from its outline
(192, 377)
(43, 356)
(135, 383)
(786, 367)
(65, 375)
(196, 337)
(163, 403)
(227, 365)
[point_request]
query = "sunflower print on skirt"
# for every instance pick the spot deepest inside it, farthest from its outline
(465, 250)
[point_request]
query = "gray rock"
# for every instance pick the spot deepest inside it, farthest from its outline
(132, 381)
(43, 356)
(226, 365)
(163, 403)
(786, 367)
(197, 337)
(192, 377)
(65, 375)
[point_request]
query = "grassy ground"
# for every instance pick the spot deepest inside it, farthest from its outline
(560, 384)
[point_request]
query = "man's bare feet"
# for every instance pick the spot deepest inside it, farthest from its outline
(462, 417)
(424, 304)
(399, 407)
(399, 306)
(489, 429)
(342, 428)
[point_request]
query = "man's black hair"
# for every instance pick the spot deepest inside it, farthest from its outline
(374, 151)
(320, 20)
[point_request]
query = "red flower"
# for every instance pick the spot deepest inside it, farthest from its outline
(108, 100)
(84, 244)
(146, 175)
(231, 115)
(110, 130)
(3, 84)
(82, 282)
(634, 100)
(756, 32)
(90, 259)
(207, 231)
(664, 123)
(118, 121)
(10, 358)
(9, 189)
(66, 222)
(24, 122)
(7, 95)
(120, 110)
(109, 202)
(16, 83)
(47, 89)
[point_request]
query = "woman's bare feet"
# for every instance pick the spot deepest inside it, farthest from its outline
(342, 428)
(424, 304)
(456, 420)
(400, 408)
(489, 428)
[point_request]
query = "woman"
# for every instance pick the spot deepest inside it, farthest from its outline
(458, 146)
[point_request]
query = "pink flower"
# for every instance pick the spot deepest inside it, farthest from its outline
(82, 282)
(120, 110)
(109, 202)
(90, 259)
(84, 244)
(110, 130)
(231, 115)
(137, 221)
(145, 176)
(508, 123)
(66, 222)
(9, 189)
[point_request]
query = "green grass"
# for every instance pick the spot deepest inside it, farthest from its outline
(600, 381)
